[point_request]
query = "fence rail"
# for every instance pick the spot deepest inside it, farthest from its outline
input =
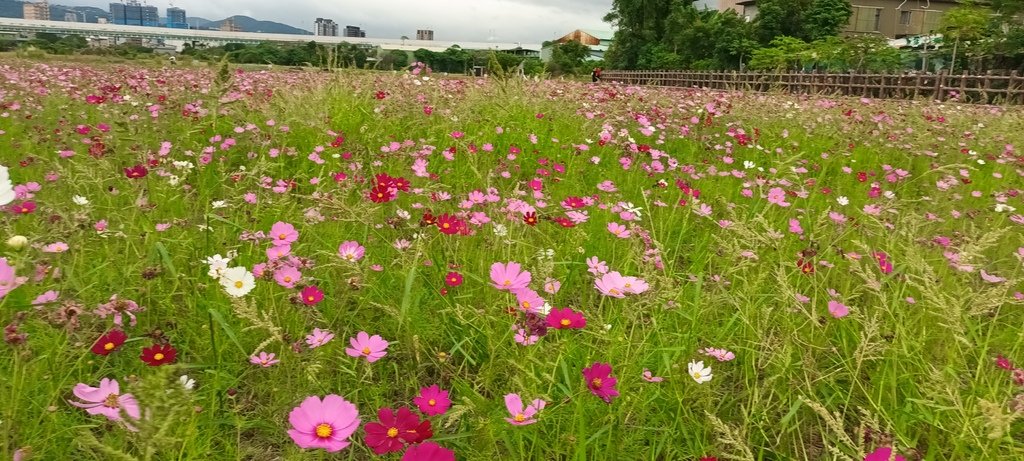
(990, 88)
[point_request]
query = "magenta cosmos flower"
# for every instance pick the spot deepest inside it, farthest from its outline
(522, 415)
(428, 451)
(883, 454)
(351, 251)
(283, 233)
(600, 381)
(105, 400)
(509, 276)
(323, 424)
(311, 295)
(396, 429)
(432, 401)
(363, 345)
(565, 318)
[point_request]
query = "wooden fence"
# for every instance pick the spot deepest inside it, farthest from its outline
(990, 88)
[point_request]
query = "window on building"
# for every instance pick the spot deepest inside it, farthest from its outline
(905, 18)
(866, 19)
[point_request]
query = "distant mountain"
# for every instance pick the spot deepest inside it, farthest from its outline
(15, 9)
(248, 24)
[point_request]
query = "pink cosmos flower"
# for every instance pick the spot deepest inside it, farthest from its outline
(105, 400)
(264, 360)
(351, 251)
(618, 230)
(721, 354)
(323, 424)
(8, 280)
(552, 286)
(363, 345)
(283, 233)
(777, 196)
(611, 284)
(528, 300)
(838, 309)
(524, 339)
(633, 285)
(432, 401)
(509, 276)
(428, 451)
(649, 377)
(565, 318)
(45, 298)
(522, 415)
(318, 338)
(278, 251)
(600, 381)
(883, 454)
(57, 247)
(991, 278)
(596, 266)
(311, 295)
(287, 276)
(119, 308)
(794, 227)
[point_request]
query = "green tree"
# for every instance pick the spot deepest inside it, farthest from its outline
(826, 18)
(638, 23)
(776, 18)
(568, 58)
(964, 23)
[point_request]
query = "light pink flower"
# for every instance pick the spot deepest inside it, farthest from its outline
(318, 338)
(838, 309)
(611, 284)
(524, 339)
(528, 300)
(991, 278)
(287, 276)
(58, 247)
(520, 415)
(363, 345)
(777, 196)
(283, 233)
(509, 276)
(596, 266)
(721, 354)
(649, 377)
(552, 286)
(119, 308)
(105, 400)
(618, 230)
(351, 251)
(633, 285)
(264, 360)
(8, 280)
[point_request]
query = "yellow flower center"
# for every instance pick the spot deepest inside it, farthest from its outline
(158, 356)
(627, 285)
(446, 225)
(310, 298)
(111, 401)
(239, 284)
(507, 282)
(431, 402)
(349, 256)
(287, 279)
(526, 304)
(366, 351)
(565, 322)
(282, 237)
(520, 417)
(596, 382)
(696, 375)
(393, 432)
(108, 346)
(324, 430)
(614, 291)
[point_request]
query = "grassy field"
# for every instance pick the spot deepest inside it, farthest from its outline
(849, 270)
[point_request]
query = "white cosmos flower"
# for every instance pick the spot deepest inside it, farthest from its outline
(748, 164)
(217, 265)
(1002, 208)
(6, 188)
(632, 209)
(237, 281)
(699, 372)
(187, 383)
(219, 204)
(79, 200)
(842, 200)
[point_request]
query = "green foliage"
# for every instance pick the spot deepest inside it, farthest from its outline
(569, 58)
(452, 60)
(861, 53)
(826, 18)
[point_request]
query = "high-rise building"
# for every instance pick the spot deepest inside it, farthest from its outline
(326, 27)
(176, 18)
(424, 34)
(353, 31)
(229, 26)
(70, 16)
(39, 11)
(133, 13)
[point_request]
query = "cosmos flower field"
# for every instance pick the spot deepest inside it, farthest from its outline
(202, 263)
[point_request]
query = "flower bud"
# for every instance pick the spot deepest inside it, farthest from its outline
(17, 242)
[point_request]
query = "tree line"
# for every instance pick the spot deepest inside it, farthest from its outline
(804, 35)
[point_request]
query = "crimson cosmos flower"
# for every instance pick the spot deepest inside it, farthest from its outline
(109, 342)
(394, 431)
(159, 354)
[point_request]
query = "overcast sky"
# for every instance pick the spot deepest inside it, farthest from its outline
(526, 21)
